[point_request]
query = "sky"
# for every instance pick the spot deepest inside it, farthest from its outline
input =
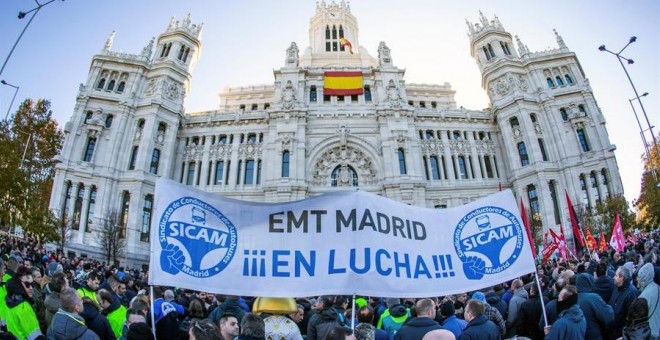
(244, 41)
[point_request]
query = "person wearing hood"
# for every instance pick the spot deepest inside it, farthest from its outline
(597, 313)
(20, 317)
(570, 323)
(621, 298)
(67, 324)
(112, 308)
(495, 301)
(603, 285)
(393, 317)
(96, 321)
(651, 292)
(232, 306)
(519, 296)
(417, 327)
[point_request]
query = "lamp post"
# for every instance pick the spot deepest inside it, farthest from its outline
(641, 129)
(22, 15)
(620, 58)
(13, 98)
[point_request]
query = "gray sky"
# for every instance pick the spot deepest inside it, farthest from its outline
(243, 41)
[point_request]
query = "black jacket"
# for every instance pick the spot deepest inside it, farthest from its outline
(530, 314)
(320, 324)
(415, 328)
(480, 328)
(97, 322)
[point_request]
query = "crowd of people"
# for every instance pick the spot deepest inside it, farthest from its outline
(611, 295)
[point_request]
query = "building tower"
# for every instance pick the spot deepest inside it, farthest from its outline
(552, 130)
(121, 137)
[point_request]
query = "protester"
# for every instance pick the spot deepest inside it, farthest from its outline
(651, 292)
(20, 316)
(570, 323)
(112, 308)
(478, 327)
(598, 314)
(252, 328)
(621, 298)
(340, 333)
(393, 317)
(531, 312)
(449, 320)
(229, 327)
(204, 329)
(67, 323)
(637, 324)
(96, 321)
(424, 322)
(519, 296)
(324, 320)
(90, 286)
(365, 330)
(491, 313)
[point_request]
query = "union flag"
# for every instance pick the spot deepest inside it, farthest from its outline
(591, 241)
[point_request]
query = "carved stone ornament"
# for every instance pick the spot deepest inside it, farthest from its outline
(459, 146)
(522, 83)
(537, 127)
(432, 147)
(343, 156)
(250, 150)
(193, 152)
(393, 96)
(502, 88)
(288, 96)
(292, 55)
(151, 87)
(384, 55)
(138, 133)
(516, 132)
(401, 140)
(160, 138)
(220, 151)
(171, 90)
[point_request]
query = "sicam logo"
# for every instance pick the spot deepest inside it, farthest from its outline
(488, 240)
(193, 236)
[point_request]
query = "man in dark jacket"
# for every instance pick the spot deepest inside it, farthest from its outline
(597, 313)
(478, 327)
(96, 321)
(417, 327)
(229, 306)
(604, 285)
(621, 299)
(322, 322)
(530, 313)
(570, 323)
(67, 324)
(393, 317)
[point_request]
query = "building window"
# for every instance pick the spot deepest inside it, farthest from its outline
(559, 81)
(254, 107)
(219, 170)
(111, 85)
(435, 168)
(326, 99)
(555, 202)
(489, 167)
(285, 163)
(585, 195)
(505, 48)
(594, 187)
(238, 172)
(543, 153)
(123, 219)
(166, 50)
(108, 121)
(564, 115)
(101, 84)
(490, 49)
(422, 104)
(569, 81)
(440, 206)
(426, 168)
(259, 171)
(89, 149)
(67, 199)
(252, 138)
(522, 152)
(584, 143)
(121, 87)
(551, 84)
(605, 182)
(582, 110)
(90, 208)
(462, 167)
(131, 163)
(312, 94)
(486, 53)
(514, 122)
(248, 178)
(402, 162)
(88, 116)
(146, 218)
(155, 159)
(77, 207)
(343, 175)
(228, 172)
(332, 39)
(367, 93)
(533, 200)
(429, 134)
(191, 173)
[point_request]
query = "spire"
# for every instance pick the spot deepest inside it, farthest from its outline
(470, 27)
(560, 40)
(108, 43)
(484, 20)
(146, 51)
(522, 48)
(186, 25)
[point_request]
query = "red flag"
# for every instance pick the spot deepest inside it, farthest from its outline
(528, 227)
(630, 237)
(591, 241)
(549, 248)
(603, 245)
(617, 241)
(577, 234)
(561, 243)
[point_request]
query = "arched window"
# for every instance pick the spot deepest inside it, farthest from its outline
(312, 94)
(551, 84)
(582, 110)
(341, 35)
(514, 122)
(101, 84)
(343, 176)
(462, 167)
(486, 53)
(77, 207)
(367, 93)
(182, 50)
(490, 49)
(131, 162)
(585, 195)
(559, 81)
(90, 208)
(569, 81)
(594, 186)
(185, 54)
(108, 121)
(533, 200)
(89, 149)
(582, 138)
(564, 115)
(111, 85)
(402, 161)
(532, 116)
(285, 163)
(429, 134)
(88, 116)
(147, 210)
(435, 168)
(555, 202)
(543, 153)
(155, 160)
(121, 86)
(522, 152)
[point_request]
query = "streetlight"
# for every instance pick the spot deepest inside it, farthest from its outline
(13, 98)
(22, 15)
(641, 131)
(620, 58)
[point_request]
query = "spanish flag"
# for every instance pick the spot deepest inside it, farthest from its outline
(342, 83)
(344, 42)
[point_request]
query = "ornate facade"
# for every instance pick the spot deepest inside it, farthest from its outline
(542, 134)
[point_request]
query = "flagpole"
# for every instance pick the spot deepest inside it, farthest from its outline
(538, 285)
(353, 314)
(153, 317)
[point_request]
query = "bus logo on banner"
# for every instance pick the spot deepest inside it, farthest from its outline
(193, 235)
(488, 240)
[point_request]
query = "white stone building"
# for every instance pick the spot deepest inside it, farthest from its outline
(543, 133)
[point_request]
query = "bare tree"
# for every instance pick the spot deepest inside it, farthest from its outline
(110, 237)
(63, 228)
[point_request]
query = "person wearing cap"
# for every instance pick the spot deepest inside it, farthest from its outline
(449, 320)
(491, 313)
(651, 292)
(21, 319)
(90, 286)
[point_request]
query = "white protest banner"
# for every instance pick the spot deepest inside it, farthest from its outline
(346, 242)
